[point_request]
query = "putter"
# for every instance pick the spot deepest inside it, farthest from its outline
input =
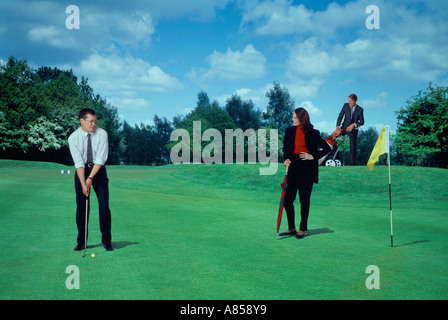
(85, 227)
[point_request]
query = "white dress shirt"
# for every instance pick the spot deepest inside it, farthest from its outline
(353, 112)
(78, 146)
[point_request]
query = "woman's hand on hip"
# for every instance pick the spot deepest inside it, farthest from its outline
(306, 156)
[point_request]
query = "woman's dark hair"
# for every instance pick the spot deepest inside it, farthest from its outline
(304, 119)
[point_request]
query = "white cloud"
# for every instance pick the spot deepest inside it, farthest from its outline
(99, 26)
(130, 103)
(111, 73)
(277, 17)
(258, 96)
(125, 28)
(338, 17)
(50, 35)
(197, 10)
(410, 45)
(325, 126)
(309, 59)
(380, 101)
(232, 65)
(311, 63)
(310, 107)
(301, 89)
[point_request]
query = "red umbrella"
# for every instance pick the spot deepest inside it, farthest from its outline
(284, 185)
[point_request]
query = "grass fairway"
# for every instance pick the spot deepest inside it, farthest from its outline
(208, 232)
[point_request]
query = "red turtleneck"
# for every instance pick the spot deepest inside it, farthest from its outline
(300, 145)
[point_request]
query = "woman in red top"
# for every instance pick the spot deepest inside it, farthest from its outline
(302, 147)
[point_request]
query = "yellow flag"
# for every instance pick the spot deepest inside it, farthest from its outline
(381, 147)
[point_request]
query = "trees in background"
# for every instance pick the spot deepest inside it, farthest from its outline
(146, 144)
(39, 110)
(422, 128)
(243, 113)
(280, 107)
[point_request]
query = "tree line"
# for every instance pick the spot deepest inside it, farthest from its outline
(39, 110)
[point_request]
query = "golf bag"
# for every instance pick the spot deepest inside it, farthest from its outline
(332, 142)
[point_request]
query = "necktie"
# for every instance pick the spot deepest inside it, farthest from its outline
(353, 110)
(89, 149)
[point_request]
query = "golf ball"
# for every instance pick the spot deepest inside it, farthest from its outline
(92, 255)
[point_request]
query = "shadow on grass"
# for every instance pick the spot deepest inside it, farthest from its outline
(408, 244)
(116, 245)
(318, 231)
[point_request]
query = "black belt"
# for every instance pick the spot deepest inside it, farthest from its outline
(90, 165)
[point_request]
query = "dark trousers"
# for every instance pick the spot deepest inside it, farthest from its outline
(101, 187)
(298, 180)
(353, 135)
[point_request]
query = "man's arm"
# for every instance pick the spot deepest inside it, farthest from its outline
(79, 163)
(81, 175)
(89, 180)
(339, 120)
(75, 152)
(360, 120)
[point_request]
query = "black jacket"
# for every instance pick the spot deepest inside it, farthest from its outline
(358, 117)
(316, 146)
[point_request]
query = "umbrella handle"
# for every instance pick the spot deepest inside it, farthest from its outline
(287, 169)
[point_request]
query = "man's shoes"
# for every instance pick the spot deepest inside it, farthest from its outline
(108, 247)
(79, 247)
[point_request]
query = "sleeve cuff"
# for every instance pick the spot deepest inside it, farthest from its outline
(101, 163)
(79, 165)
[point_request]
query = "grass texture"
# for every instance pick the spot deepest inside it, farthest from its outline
(197, 231)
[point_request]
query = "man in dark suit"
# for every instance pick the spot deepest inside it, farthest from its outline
(353, 116)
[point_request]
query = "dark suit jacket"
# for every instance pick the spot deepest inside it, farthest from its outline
(316, 146)
(358, 117)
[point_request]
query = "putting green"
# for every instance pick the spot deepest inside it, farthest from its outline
(208, 232)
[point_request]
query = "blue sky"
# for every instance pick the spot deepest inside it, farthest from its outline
(152, 57)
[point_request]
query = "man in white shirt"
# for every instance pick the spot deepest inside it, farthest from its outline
(89, 149)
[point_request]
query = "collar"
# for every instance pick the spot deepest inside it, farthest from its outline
(84, 134)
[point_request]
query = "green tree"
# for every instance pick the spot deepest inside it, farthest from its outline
(39, 110)
(16, 81)
(210, 115)
(162, 132)
(12, 138)
(365, 144)
(422, 128)
(45, 134)
(126, 144)
(243, 113)
(280, 108)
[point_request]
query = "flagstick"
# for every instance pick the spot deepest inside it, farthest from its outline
(390, 205)
(390, 194)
